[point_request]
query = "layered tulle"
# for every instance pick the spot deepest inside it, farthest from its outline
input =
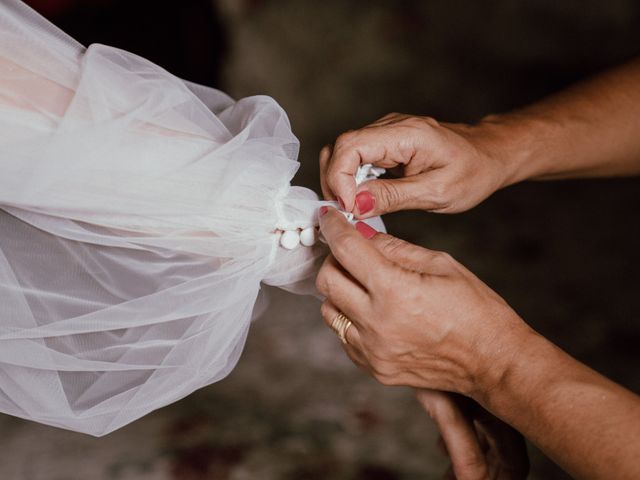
(139, 214)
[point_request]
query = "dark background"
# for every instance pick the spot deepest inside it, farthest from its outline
(565, 254)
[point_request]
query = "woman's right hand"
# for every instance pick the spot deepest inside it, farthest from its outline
(448, 168)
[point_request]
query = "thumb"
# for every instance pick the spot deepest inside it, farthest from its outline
(377, 197)
(410, 256)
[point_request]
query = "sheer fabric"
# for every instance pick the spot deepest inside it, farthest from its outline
(138, 215)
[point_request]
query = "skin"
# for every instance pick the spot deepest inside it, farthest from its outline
(478, 444)
(589, 130)
(444, 330)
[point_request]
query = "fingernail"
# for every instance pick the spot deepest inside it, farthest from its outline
(341, 203)
(365, 230)
(324, 209)
(365, 202)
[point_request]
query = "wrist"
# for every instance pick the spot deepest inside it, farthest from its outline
(508, 362)
(527, 370)
(514, 144)
(581, 420)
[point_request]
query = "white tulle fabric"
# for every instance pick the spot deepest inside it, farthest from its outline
(138, 216)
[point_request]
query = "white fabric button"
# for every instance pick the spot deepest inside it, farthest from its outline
(308, 237)
(290, 239)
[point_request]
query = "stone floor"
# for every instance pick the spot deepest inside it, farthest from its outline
(564, 254)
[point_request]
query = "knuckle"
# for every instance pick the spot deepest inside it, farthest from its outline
(394, 116)
(393, 381)
(413, 121)
(445, 257)
(383, 371)
(419, 122)
(325, 310)
(391, 244)
(432, 122)
(440, 193)
(344, 244)
(345, 138)
(386, 379)
(389, 194)
(322, 282)
(445, 261)
(325, 154)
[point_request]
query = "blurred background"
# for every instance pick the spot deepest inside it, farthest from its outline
(565, 255)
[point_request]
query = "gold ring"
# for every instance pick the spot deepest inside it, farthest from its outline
(341, 324)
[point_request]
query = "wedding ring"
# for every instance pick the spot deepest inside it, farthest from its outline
(340, 324)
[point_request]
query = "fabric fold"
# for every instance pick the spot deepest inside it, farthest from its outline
(139, 214)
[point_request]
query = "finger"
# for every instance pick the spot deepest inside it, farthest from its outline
(377, 197)
(458, 433)
(329, 312)
(325, 155)
(353, 347)
(388, 118)
(504, 441)
(352, 149)
(340, 287)
(410, 256)
(352, 251)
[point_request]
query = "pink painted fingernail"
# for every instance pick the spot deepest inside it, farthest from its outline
(341, 203)
(365, 230)
(365, 202)
(324, 209)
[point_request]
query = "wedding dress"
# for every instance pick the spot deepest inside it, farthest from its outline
(139, 214)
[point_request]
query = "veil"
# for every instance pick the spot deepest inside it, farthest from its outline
(139, 214)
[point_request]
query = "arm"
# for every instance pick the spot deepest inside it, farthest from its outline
(586, 423)
(591, 129)
(444, 329)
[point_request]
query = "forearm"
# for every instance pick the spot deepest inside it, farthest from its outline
(587, 424)
(589, 130)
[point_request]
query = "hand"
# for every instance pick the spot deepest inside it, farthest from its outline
(419, 317)
(479, 445)
(448, 168)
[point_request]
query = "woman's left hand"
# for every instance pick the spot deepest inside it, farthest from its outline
(419, 318)
(479, 445)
